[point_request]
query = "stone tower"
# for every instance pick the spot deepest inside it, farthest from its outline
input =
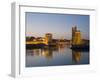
(74, 29)
(76, 36)
(48, 38)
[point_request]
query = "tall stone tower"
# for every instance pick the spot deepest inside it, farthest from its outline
(48, 38)
(76, 36)
(74, 29)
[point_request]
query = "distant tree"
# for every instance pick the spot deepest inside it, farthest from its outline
(30, 38)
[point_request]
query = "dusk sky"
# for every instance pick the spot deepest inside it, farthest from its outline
(60, 25)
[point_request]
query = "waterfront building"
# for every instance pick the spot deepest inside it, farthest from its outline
(76, 36)
(48, 38)
(74, 29)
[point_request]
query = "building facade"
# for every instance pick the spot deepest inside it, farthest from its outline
(48, 38)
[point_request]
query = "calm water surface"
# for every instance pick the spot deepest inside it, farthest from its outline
(55, 56)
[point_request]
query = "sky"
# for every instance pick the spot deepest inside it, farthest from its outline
(60, 25)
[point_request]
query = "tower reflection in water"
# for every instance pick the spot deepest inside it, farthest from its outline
(47, 53)
(76, 56)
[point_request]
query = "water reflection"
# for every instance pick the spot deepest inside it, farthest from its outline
(76, 56)
(46, 52)
(60, 55)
